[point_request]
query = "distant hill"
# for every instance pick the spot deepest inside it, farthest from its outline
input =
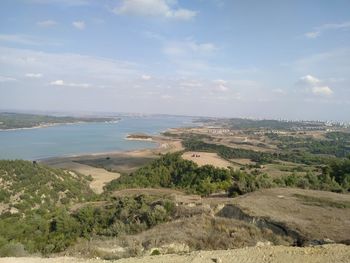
(10, 120)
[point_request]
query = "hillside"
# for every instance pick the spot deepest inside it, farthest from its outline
(31, 197)
(308, 216)
(25, 186)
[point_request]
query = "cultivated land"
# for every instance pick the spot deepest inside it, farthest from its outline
(205, 158)
(178, 200)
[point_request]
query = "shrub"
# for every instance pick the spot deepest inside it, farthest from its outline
(13, 249)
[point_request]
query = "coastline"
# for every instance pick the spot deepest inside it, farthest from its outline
(48, 125)
(163, 144)
(115, 163)
(45, 149)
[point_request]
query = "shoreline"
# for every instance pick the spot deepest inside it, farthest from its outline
(162, 144)
(48, 125)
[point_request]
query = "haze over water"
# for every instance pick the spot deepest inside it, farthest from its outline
(83, 138)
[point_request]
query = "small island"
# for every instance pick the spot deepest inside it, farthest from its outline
(139, 137)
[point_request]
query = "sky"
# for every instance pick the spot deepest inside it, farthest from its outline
(224, 58)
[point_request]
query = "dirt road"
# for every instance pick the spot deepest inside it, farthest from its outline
(276, 254)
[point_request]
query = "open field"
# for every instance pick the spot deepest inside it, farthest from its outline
(315, 215)
(271, 254)
(205, 158)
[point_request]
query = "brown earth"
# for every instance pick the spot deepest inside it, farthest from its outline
(270, 254)
(316, 215)
(206, 158)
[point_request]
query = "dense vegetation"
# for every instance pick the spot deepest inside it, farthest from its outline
(172, 171)
(31, 195)
(296, 155)
(44, 232)
(25, 185)
(35, 216)
(124, 215)
(243, 124)
(227, 152)
(21, 120)
(337, 144)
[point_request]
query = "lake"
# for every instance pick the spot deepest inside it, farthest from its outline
(84, 138)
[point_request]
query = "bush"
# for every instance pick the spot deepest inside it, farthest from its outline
(13, 249)
(172, 171)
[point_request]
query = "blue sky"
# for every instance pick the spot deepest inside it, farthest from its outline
(266, 59)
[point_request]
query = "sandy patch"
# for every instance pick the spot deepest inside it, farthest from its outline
(271, 254)
(206, 158)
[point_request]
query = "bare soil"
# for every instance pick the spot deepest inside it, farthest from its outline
(315, 214)
(205, 158)
(270, 254)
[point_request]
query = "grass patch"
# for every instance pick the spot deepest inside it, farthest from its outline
(321, 201)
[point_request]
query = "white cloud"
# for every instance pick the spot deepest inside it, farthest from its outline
(6, 79)
(323, 91)
(166, 97)
(154, 8)
(220, 81)
(191, 84)
(279, 91)
(146, 77)
(327, 27)
(222, 88)
(60, 82)
(314, 85)
(61, 2)
(79, 25)
(188, 48)
(68, 66)
(19, 39)
(57, 82)
(220, 85)
(26, 40)
(183, 14)
(314, 34)
(309, 80)
(47, 23)
(34, 75)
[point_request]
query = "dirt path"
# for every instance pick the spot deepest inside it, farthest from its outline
(277, 254)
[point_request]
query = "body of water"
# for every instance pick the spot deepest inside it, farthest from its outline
(83, 138)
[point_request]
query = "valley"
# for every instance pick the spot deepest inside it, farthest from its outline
(201, 189)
